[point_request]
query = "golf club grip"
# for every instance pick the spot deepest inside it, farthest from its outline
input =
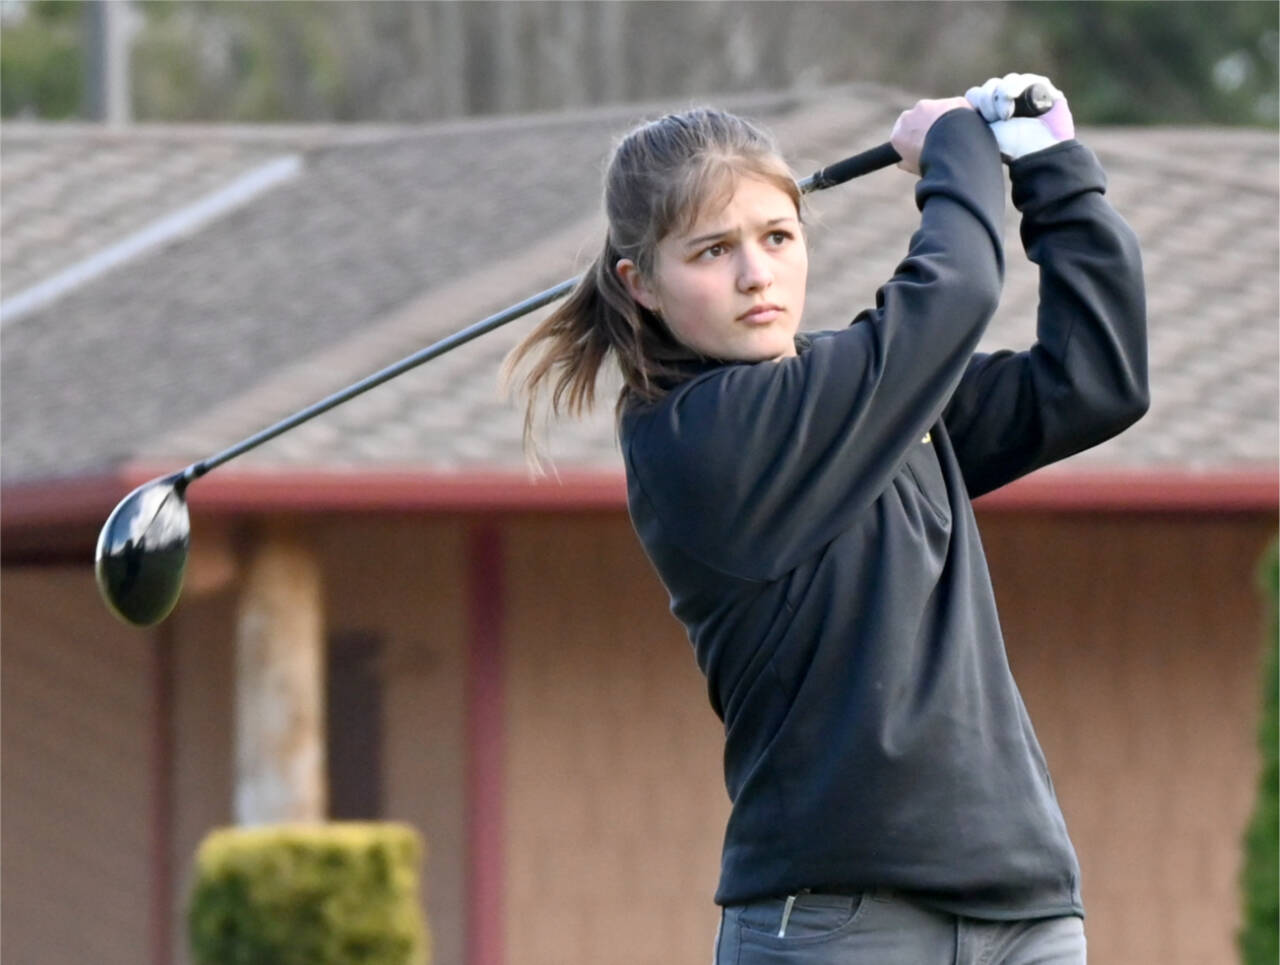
(1032, 102)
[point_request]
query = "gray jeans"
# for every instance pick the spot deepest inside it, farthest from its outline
(879, 928)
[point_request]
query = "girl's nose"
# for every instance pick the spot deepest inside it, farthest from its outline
(754, 273)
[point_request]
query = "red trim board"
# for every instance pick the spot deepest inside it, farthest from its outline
(230, 493)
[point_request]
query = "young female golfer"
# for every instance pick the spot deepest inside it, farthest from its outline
(805, 499)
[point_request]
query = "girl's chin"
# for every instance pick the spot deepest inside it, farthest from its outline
(761, 348)
(772, 349)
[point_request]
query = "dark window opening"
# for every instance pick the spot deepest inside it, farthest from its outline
(354, 709)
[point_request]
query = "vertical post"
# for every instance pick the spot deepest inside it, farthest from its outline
(280, 740)
(109, 27)
(485, 748)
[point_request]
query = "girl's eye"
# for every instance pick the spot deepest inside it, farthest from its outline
(779, 237)
(714, 251)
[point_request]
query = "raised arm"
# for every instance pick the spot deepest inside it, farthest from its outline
(1085, 379)
(753, 468)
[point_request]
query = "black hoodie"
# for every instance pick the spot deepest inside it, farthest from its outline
(811, 520)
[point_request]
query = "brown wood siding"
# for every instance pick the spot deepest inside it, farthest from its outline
(78, 777)
(202, 776)
(403, 580)
(1136, 642)
(616, 804)
(397, 580)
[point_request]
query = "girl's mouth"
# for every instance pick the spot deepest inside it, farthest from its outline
(761, 314)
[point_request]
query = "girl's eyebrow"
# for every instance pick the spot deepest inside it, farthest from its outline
(726, 232)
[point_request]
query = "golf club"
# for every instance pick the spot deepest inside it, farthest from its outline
(142, 550)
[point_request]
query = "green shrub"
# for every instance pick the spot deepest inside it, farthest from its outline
(322, 894)
(1260, 879)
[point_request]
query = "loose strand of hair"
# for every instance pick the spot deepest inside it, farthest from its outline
(572, 353)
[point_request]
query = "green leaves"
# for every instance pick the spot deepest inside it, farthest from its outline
(42, 61)
(328, 894)
(1260, 878)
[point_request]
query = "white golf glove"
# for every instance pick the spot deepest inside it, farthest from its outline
(1019, 136)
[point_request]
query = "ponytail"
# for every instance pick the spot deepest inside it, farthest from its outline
(661, 175)
(598, 319)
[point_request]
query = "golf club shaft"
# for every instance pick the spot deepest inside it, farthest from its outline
(838, 173)
(532, 304)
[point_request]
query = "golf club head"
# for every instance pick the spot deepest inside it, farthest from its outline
(142, 552)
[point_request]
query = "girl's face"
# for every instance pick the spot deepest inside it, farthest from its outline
(732, 284)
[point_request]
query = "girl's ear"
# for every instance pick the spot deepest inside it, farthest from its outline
(635, 283)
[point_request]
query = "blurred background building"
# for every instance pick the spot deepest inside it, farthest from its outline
(212, 214)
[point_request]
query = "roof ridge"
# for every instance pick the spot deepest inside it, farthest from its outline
(296, 136)
(330, 132)
(349, 132)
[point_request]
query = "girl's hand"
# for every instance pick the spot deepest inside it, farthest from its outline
(912, 126)
(1019, 136)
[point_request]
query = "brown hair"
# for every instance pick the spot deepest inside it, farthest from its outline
(662, 176)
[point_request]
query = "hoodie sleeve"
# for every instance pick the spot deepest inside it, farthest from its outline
(752, 468)
(1085, 379)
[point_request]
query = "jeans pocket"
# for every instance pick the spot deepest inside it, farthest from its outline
(813, 918)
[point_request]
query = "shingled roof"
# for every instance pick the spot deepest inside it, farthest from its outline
(208, 281)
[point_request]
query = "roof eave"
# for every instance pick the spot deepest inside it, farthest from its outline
(33, 504)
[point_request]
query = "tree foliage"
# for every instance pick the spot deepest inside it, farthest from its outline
(1129, 61)
(1153, 62)
(1260, 879)
(41, 59)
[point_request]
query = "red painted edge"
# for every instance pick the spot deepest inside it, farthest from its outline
(486, 748)
(1150, 491)
(230, 493)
